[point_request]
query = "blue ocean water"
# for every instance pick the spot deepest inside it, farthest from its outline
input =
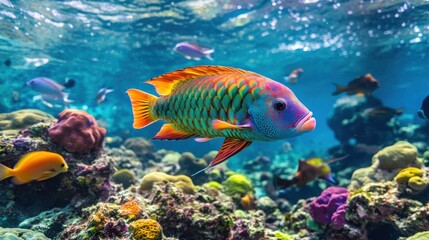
(121, 44)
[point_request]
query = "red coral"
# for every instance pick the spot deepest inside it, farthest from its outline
(77, 131)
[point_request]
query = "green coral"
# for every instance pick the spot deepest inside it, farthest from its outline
(124, 176)
(20, 234)
(146, 229)
(237, 184)
(419, 236)
(214, 185)
(12, 123)
(281, 236)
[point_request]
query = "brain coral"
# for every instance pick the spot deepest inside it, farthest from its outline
(181, 181)
(146, 229)
(77, 131)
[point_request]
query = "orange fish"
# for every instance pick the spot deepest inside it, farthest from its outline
(360, 86)
(38, 165)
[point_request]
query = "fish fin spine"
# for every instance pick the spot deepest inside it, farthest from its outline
(142, 103)
(339, 89)
(165, 83)
(168, 132)
(5, 172)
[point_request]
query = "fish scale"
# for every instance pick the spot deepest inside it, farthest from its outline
(221, 101)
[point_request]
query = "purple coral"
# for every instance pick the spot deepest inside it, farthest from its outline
(330, 207)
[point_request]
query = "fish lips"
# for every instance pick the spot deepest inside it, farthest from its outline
(306, 124)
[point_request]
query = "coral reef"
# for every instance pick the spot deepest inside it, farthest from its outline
(189, 165)
(237, 184)
(386, 164)
(411, 180)
(324, 208)
(12, 123)
(77, 131)
(141, 147)
(183, 182)
(20, 234)
(146, 229)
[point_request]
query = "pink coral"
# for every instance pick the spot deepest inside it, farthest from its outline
(77, 131)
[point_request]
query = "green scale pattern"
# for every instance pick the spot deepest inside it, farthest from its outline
(194, 104)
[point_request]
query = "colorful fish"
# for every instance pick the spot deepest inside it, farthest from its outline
(308, 171)
(382, 113)
(215, 101)
(363, 85)
(38, 165)
(193, 51)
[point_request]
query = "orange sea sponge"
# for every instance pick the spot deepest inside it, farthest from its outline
(146, 229)
(131, 209)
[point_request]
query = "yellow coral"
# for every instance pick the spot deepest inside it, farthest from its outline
(411, 177)
(146, 229)
(237, 184)
(405, 174)
(130, 209)
(181, 181)
(417, 183)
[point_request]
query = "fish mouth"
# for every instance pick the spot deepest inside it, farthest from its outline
(306, 124)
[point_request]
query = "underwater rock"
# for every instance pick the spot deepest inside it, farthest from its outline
(376, 207)
(20, 234)
(183, 182)
(386, 163)
(77, 131)
(12, 123)
(189, 165)
(349, 123)
(325, 206)
(126, 159)
(142, 147)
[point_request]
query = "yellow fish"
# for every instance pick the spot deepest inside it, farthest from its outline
(38, 165)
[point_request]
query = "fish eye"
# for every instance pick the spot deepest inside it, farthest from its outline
(279, 104)
(62, 165)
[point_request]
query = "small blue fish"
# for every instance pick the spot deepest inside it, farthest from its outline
(193, 51)
(101, 95)
(51, 91)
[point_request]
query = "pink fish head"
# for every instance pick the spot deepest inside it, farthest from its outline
(278, 113)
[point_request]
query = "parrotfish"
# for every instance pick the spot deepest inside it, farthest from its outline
(423, 113)
(38, 165)
(101, 95)
(193, 51)
(363, 85)
(308, 171)
(215, 101)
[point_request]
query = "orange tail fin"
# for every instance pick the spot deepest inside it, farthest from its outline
(339, 89)
(5, 172)
(142, 105)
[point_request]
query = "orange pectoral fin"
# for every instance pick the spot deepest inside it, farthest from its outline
(220, 125)
(230, 147)
(168, 132)
(47, 175)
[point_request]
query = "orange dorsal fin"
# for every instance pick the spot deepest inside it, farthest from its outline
(168, 132)
(165, 83)
(230, 147)
(220, 125)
